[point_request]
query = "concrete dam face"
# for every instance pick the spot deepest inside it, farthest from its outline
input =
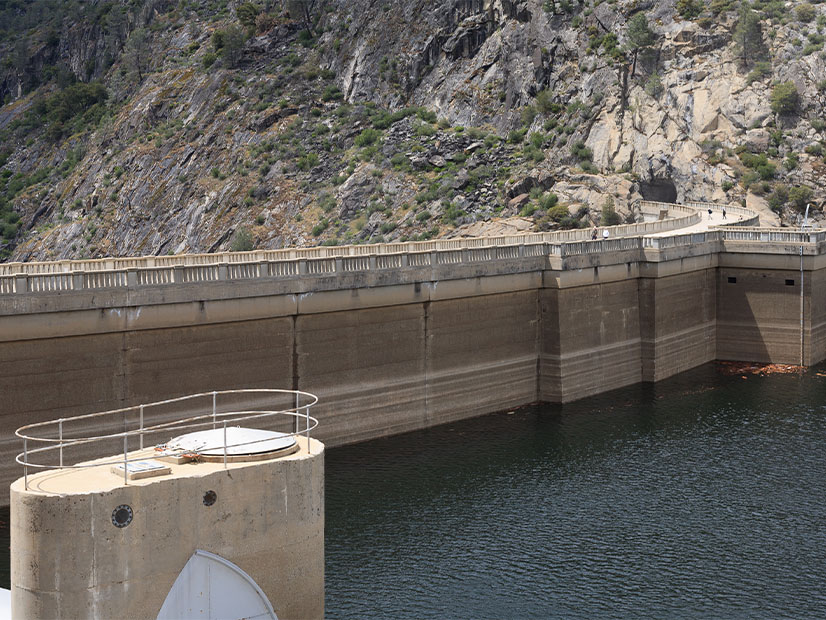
(404, 336)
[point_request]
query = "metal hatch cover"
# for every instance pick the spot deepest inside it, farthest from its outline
(242, 444)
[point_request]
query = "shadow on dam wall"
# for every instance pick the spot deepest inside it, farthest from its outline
(758, 317)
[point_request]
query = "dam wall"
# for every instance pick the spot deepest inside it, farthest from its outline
(397, 341)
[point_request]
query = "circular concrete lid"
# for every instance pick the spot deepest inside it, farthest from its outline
(241, 442)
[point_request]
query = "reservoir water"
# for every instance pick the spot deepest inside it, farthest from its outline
(701, 496)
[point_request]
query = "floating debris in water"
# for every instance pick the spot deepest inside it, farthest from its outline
(744, 368)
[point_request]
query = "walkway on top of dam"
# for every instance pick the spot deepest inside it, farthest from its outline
(688, 227)
(718, 216)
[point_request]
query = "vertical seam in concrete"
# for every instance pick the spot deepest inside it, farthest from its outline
(426, 309)
(537, 338)
(294, 362)
(640, 315)
(123, 380)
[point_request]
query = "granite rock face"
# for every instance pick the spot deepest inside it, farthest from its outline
(403, 120)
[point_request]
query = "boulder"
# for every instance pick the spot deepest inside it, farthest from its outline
(438, 161)
(519, 201)
(355, 192)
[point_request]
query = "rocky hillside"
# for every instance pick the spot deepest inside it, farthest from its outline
(156, 126)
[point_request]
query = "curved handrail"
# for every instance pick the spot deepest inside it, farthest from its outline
(301, 411)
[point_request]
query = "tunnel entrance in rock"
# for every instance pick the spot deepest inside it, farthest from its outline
(659, 190)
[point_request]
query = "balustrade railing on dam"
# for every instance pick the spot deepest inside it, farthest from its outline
(680, 240)
(774, 235)
(740, 216)
(686, 217)
(284, 268)
(151, 271)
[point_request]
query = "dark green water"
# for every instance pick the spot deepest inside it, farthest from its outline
(700, 497)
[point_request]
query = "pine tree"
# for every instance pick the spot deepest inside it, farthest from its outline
(748, 37)
(639, 33)
(640, 36)
(304, 11)
(136, 52)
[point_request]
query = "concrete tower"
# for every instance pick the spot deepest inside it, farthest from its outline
(213, 536)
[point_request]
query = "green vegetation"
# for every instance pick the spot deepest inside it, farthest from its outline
(276, 111)
(517, 136)
(814, 149)
(367, 137)
(800, 195)
(805, 12)
(136, 53)
(332, 93)
(610, 217)
(68, 111)
(796, 197)
(548, 201)
(320, 227)
(606, 42)
(654, 86)
(640, 37)
(784, 98)
(382, 119)
(544, 101)
(640, 34)
(526, 115)
(760, 164)
(581, 152)
(779, 198)
(689, 9)
(308, 161)
(241, 241)
(247, 13)
(228, 43)
(762, 68)
(748, 37)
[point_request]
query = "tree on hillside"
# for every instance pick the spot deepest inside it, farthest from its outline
(610, 217)
(136, 52)
(303, 11)
(242, 241)
(20, 62)
(246, 14)
(784, 98)
(233, 39)
(748, 37)
(689, 9)
(640, 36)
(115, 27)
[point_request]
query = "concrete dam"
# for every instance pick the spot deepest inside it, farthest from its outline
(402, 336)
